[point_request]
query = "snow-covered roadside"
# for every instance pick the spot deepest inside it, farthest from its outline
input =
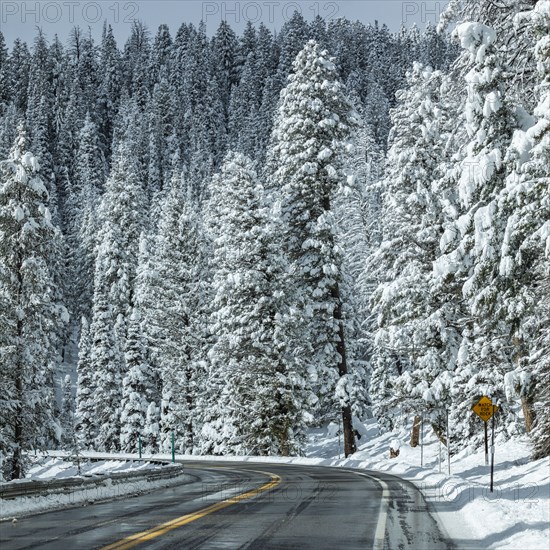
(55, 467)
(49, 468)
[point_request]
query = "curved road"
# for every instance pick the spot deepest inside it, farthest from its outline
(245, 505)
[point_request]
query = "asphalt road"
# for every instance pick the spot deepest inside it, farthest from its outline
(245, 505)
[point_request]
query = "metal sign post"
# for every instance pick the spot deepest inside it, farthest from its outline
(485, 409)
(139, 446)
(486, 445)
(492, 445)
(422, 439)
(173, 447)
(448, 443)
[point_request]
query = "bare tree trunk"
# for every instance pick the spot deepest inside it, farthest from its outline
(17, 468)
(17, 458)
(283, 442)
(528, 413)
(526, 400)
(349, 435)
(440, 433)
(415, 434)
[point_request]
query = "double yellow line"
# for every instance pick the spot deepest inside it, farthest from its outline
(159, 530)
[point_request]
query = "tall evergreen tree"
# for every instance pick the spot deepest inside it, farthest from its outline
(19, 67)
(470, 243)
(32, 315)
(524, 263)
(85, 421)
(138, 386)
(409, 350)
(176, 332)
(309, 144)
(5, 90)
(122, 216)
(259, 408)
(108, 93)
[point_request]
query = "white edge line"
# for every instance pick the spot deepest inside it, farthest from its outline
(380, 532)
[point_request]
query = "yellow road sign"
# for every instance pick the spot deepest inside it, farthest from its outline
(484, 408)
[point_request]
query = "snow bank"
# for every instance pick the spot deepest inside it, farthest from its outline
(56, 467)
(22, 506)
(47, 468)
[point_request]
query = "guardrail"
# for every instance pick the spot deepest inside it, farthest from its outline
(64, 486)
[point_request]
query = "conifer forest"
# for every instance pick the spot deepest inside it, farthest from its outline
(227, 238)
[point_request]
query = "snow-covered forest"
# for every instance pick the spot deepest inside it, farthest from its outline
(224, 240)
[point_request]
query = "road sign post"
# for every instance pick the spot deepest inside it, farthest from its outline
(448, 442)
(486, 445)
(422, 439)
(139, 446)
(485, 409)
(173, 447)
(492, 445)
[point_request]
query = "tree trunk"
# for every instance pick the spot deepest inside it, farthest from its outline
(17, 458)
(440, 433)
(415, 434)
(528, 413)
(283, 444)
(17, 469)
(349, 435)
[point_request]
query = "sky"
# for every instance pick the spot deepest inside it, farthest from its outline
(19, 19)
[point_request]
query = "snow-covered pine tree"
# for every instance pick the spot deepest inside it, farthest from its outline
(247, 43)
(525, 250)
(224, 47)
(470, 243)
(67, 416)
(162, 141)
(39, 117)
(19, 64)
(259, 401)
(108, 93)
(309, 145)
(85, 421)
(161, 55)
(137, 50)
(176, 334)
(4, 76)
(32, 316)
(141, 384)
(123, 217)
(107, 335)
(409, 351)
(81, 220)
(138, 385)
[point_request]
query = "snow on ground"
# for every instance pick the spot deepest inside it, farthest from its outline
(51, 467)
(46, 468)
(516, 515)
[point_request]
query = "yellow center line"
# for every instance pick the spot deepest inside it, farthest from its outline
(139, 538)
